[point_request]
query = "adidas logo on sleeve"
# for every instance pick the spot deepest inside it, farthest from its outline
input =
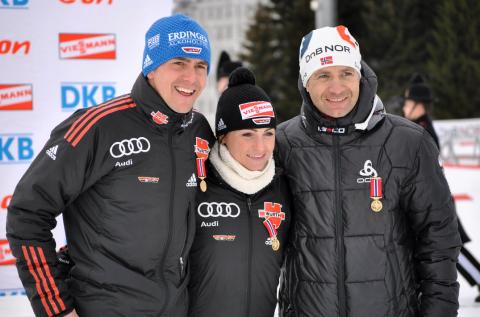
(52, 152)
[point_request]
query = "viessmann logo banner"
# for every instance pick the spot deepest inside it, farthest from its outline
(16, 97)
(87, 46)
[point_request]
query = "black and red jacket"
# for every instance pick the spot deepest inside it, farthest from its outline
(119, 173)
(234, 269)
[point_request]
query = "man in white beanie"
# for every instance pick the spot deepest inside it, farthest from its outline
(375, 230)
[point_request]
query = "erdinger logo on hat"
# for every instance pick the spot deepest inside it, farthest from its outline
(328, 46)
(184, 37)
(257, 109)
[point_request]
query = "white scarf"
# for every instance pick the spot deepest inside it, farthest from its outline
(237, 176)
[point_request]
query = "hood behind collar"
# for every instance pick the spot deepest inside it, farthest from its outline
(149, 101)
(368, 111)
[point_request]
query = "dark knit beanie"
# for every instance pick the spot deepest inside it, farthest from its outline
(243, 105)
(418, 90)
(226, 66)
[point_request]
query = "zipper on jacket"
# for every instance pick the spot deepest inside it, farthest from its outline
(250, 247)
(339, 230)
(181, 266)
(170, 221)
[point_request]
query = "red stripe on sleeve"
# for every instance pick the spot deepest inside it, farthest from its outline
(37, 282)
(50, 278)
(44, 281)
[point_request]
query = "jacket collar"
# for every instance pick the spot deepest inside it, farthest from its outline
(368, 111)
(155, 108)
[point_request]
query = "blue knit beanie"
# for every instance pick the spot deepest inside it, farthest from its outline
(174, 36)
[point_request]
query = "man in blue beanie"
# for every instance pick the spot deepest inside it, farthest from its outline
(123, 174)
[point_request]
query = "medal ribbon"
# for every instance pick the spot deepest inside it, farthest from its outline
(270, 228)
(376, 187)
(201, 171)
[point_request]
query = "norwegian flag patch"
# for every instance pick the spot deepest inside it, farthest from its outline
(326, 60)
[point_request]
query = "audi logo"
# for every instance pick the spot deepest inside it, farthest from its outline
(129, 146)
(221, 209)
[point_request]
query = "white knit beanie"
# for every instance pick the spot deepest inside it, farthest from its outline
(328, 46)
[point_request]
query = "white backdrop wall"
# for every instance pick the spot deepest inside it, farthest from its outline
(57, 56)
(460, 152)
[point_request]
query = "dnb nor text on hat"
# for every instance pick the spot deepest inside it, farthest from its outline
(328, 46)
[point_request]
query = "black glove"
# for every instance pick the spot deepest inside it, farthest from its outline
(65, 263)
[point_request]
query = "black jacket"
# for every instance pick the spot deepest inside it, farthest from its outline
(235, 271)
(426, 122)
(346, 259)
(121, 182)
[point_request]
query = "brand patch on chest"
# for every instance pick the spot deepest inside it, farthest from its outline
(224, 237)
(210, 224)
(124, 164)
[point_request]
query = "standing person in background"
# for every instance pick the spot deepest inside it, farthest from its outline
(224, 68)
(418, 103)
(375, 230)
(121, 174)
(243, 215)
(417, 108)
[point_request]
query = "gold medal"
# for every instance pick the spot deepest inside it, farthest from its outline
(376, 205)
(275, 244)
(203, 185)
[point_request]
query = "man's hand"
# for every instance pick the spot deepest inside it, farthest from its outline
(65, 263)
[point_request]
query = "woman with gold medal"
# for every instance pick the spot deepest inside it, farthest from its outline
(242, 209)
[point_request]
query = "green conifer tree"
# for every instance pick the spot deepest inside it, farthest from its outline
(271, 50)
(454, 64)
(392, 43)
